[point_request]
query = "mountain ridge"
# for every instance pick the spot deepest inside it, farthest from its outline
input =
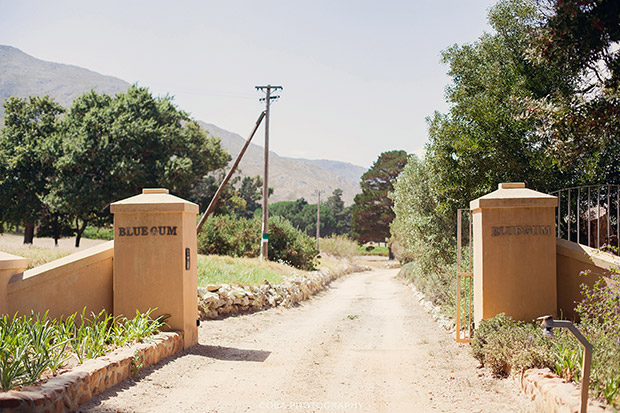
(23, 75)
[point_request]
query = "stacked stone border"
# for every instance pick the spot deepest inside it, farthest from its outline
(67, 391)
(555, 394)
(223, 300)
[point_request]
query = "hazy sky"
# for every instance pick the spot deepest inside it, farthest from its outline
(359, 77)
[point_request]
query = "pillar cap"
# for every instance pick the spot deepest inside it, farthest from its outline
(154, 200)
(155, 191)
(514, 194)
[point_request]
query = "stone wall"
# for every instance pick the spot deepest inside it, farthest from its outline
(554, 394)
(67, 391)
(216, 301)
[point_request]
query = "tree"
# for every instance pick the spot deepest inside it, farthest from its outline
(372, 209)
(582, 127)
(241, 197)
(27, 160)
(115, 146)
(341, 214)
(251, 192)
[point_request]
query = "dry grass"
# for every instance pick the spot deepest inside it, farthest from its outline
(217, 269)
(36, 255)
(339, 246)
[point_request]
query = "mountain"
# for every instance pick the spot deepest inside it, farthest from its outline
(292, 178)
(22, 75)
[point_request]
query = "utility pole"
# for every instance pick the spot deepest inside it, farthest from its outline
(265, 232)
(318, 217)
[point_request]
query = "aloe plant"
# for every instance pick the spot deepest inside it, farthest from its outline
(31, 345)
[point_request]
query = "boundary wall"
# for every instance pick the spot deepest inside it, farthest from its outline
(572, 259)
(65, 286)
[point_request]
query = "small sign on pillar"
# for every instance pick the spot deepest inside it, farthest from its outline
(155, 259)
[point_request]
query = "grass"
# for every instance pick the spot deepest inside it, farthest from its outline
(373, 250)
(36, 255)
(216, 269)
(104, 233)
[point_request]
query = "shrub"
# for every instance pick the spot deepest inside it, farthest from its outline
(230, 235)
(104, 233)
(240, 237)
(505, 346)
(339, 246)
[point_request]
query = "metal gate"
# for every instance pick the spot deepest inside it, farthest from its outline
(464, 276)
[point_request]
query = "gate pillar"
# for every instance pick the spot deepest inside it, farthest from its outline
(155, 259)
(514, 253)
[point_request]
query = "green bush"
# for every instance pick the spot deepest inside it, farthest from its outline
(291, 246)
(98, 233)
(240, 237)
(230, 235)
(505, 346)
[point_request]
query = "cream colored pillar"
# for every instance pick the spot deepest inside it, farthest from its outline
(514, 253)
(155, 259)
(9, 266)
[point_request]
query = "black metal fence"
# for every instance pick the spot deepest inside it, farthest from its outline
(589, 215)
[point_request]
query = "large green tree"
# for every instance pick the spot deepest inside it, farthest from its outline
(114, 146)
(534, 101)
(372, 209)
(27, 150)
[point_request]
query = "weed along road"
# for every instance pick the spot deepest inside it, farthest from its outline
(363, 345)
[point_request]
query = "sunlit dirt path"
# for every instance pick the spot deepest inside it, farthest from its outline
(363, 345)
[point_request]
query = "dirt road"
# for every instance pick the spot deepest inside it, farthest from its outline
(363, 345)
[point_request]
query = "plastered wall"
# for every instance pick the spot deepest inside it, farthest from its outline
(65, 286)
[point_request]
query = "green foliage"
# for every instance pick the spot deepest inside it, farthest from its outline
(240, 237)
(240, 197)
(335, 218)
(27, 155)
(505, 346)
(104, 233)
(341, 215)
(113, 147)
(372, 209)
(376, 250)
(31, 345)
(600, 305)
(230, 235)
